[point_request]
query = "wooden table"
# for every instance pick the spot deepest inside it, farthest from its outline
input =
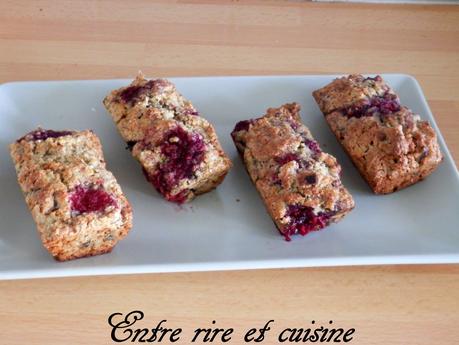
(42, 40)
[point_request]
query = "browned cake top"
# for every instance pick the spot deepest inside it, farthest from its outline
(294, 176)
(68, 189)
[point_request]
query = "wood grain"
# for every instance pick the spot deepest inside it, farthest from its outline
(42, 40)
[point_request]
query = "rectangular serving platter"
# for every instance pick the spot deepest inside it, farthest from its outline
(228, 228)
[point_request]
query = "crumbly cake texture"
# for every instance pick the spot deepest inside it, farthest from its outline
(77, 204)
(390, 145)
(178, 150)
(352, 91)
(298, 182)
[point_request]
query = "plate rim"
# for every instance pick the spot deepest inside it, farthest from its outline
(117, 269)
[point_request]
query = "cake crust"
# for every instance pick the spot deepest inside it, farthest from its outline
(350, 91)
(299, 184)
(76, 203)
(389, 144)
(178, 150)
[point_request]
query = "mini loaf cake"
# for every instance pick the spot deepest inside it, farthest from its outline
(299, 184)
(77, 204)
(389, 144)
(179, 150)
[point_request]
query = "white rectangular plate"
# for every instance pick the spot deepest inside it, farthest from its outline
(228, 228)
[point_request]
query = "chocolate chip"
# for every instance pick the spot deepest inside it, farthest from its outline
(130, 145)
(311, 179)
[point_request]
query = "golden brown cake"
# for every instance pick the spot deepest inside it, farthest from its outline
(298, 182)
(77, 204)
(389, 144)
(178, 150)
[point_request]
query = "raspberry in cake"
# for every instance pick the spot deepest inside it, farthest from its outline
(354, 91)
(178, 150)
(389, 144)
(298, 182)
(77, 204)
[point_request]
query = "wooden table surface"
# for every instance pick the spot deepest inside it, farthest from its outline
(42, 40)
